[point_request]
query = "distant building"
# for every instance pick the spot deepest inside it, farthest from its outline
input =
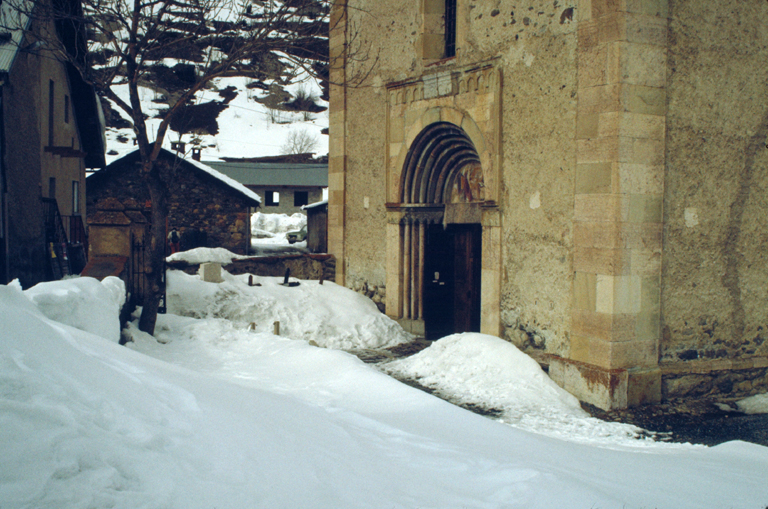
(207, 208)
(285, 187)
(52, 130)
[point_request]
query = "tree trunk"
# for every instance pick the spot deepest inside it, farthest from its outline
(155, 277)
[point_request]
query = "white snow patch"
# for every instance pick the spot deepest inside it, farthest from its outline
(268, 233)
(487, 371)
(205, 255)
(234, 184)
(328, 314)
(246, 127)
(757, 404)
(84, 303)
(277, 224)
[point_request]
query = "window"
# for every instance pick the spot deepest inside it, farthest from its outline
(66, 109)
(75, 197)
(51, 105)
(450, 28)
(438, 37)
(300, 198)
(271, 198)
(52, 187)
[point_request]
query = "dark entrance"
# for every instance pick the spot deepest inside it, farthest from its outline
(452, 279)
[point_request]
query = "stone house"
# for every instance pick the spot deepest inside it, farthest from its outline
(207, 208)
(584, 178)
(51, 130)
(285, 186)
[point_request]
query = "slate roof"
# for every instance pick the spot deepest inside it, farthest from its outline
(132, 157)
(274, 174)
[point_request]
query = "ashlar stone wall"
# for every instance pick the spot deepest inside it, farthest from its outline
(623, 150)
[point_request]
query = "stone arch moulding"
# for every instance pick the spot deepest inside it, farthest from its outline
(465, 123)
(433, 161)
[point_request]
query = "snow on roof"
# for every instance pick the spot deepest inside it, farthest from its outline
(315, 205)
(225, 179)
(230, 182)
(13, 20)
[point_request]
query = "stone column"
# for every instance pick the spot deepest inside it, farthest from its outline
(491, 273)
(337, 160)
(618, 196)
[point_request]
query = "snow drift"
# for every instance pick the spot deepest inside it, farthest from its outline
(249, 419)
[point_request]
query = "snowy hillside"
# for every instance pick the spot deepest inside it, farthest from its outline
(231, 416)
(246, 127)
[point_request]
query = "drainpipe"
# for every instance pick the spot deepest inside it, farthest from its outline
(4, 267)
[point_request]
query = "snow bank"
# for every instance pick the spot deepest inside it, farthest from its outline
(84, 303)
(754, 405)
(482, 370)
(268, 234)
(328, 314)
(277, 223)
(205, 255)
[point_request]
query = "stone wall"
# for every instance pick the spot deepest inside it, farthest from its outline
(307, 266)
(524, 130)
(716, 195)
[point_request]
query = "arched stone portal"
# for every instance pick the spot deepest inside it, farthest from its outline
(440, 233)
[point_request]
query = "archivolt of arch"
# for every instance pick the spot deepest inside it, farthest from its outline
(435, 158)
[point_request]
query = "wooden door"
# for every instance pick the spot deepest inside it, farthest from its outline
(466, 289)
(452, 280)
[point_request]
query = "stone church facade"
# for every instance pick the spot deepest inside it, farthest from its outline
(584, 178)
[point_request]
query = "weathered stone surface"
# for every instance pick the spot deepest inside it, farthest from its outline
(623, 148)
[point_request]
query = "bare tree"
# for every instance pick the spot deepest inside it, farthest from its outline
(300, 141)
(124, 42)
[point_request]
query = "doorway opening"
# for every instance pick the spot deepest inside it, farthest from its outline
(452, 279)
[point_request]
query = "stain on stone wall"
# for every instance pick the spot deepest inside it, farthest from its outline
(716, 196)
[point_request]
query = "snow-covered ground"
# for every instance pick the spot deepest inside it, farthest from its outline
(224, 414)
(247, 128)
(268, 233)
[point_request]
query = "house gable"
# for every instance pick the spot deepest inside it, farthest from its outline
(200, 204)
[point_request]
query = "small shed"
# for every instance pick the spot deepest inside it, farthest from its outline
(317, 227)
(206, 207)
